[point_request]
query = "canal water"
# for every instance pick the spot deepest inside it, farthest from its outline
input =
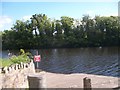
(99, 61)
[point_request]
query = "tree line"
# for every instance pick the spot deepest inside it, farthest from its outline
(43, 32)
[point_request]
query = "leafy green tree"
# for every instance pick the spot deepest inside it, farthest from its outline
(67, 24)
(42, 32)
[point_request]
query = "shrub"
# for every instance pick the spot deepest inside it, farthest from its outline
(23, 57)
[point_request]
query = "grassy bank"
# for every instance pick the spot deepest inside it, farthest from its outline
(23, 57)
(5, 62)
(14, 60)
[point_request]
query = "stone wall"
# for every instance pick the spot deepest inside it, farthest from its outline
(15, 76)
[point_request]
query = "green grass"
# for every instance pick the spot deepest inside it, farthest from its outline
(5, 62)
(15, 59)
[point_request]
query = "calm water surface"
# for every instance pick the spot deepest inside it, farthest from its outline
(100, 61)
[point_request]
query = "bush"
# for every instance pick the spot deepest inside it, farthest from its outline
(23, 57)
(5, 62)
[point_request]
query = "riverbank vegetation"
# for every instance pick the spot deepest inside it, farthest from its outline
(43, 32)
(5, 62)
(23, 57)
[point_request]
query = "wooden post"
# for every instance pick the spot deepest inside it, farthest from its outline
(35, 82)
(87, 84)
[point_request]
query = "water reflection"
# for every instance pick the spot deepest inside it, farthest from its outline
(101, 61)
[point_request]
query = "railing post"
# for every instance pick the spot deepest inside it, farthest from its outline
(5, 69)
(87, 83)
(35, 82)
